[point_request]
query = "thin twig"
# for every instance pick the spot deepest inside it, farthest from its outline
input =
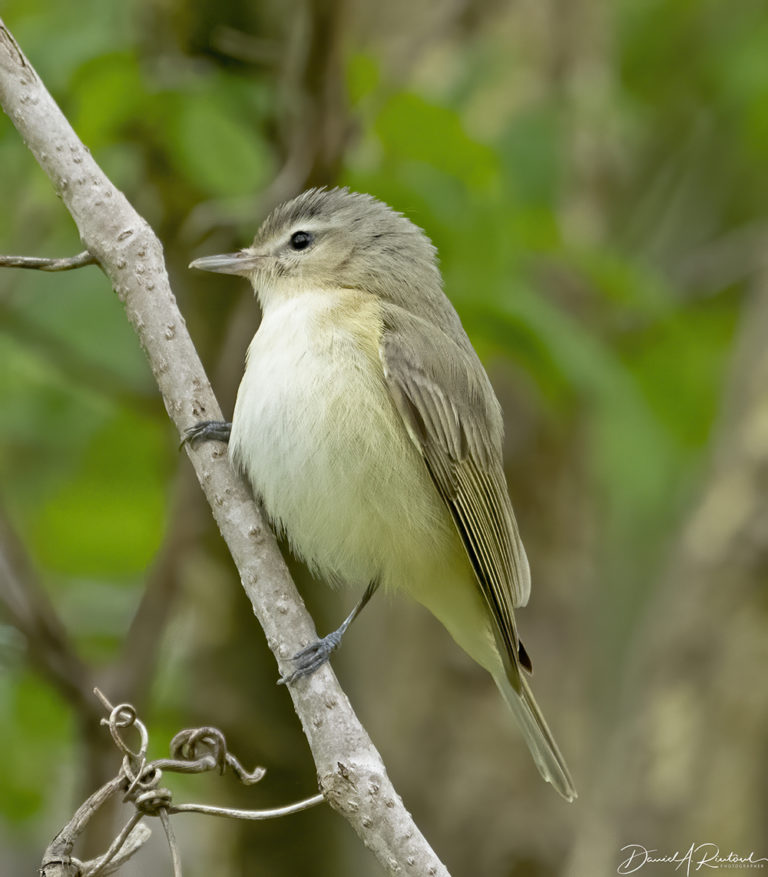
(129, 846)
(100, 865)
(172, 844)
(57, 861)
(253, 815)
(38, 264)
(193, 751)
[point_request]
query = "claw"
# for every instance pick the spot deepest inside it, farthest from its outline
(312, 657)
(206, 431)
(317, 653)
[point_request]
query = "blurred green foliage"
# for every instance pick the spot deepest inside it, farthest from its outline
(573, 215)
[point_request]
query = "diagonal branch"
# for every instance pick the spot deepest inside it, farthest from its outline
(350, 770)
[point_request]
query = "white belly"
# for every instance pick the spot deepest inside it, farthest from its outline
(318, 436)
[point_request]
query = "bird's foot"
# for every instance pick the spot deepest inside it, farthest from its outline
(207, 431)
(312, 657)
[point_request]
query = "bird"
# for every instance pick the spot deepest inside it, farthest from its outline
(368, 427)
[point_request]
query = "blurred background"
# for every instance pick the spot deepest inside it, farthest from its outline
(594, 175)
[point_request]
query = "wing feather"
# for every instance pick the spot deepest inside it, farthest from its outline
(451, 413)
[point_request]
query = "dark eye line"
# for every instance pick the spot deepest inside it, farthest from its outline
(300, 240)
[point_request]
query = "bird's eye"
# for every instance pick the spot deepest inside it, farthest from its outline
(300, 240)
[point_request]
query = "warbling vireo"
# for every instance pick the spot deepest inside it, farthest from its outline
(368, 426)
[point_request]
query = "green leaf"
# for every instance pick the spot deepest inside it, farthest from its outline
(39, 738)
(362, 76)
(108, 519)
(217, 148)
(111, 93)
(411, 127)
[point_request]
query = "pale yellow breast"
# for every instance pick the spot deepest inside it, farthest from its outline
(319, 437)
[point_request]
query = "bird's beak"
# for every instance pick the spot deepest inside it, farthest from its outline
(230, 263)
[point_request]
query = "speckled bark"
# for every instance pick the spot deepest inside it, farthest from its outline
(349, 768)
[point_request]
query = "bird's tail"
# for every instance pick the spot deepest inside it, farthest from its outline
(549, 761)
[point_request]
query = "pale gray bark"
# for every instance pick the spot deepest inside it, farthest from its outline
(350, 770)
